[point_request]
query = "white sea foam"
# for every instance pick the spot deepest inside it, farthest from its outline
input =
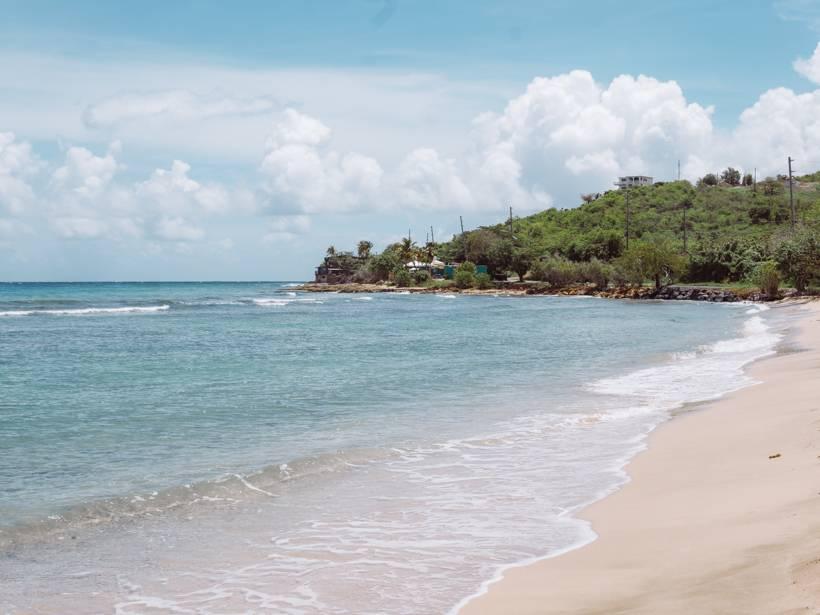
(91, 310)
(271, 302)
(284, 300)
(707, 373)
(363, 298)
(447, 296)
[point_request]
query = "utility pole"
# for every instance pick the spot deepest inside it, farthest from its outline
(685, 207)
(511, 223)
(409, 238)
(461, 222)
(432, 236)
(678, 169)
(791, 192)
(627, 218)
(754, 182)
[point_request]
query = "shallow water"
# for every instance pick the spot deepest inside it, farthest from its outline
(224, 447)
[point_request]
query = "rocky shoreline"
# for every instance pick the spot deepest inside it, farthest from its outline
(511, 289)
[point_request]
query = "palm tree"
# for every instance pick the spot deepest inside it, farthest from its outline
(331, 259)
(363, 249)
(429, 251)
(408, 250)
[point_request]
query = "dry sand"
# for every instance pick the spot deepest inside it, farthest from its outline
(722, 514)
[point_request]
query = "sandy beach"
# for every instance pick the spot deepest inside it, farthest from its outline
(722, 514)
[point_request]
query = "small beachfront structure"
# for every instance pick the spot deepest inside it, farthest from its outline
(435, 267)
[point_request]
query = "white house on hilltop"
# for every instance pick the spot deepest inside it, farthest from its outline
(632, 181)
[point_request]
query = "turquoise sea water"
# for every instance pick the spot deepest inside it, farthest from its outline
(224, 447)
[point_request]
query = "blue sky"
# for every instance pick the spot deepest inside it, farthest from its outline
(299, 124)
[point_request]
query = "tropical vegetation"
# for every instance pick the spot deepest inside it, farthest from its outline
(725, 228)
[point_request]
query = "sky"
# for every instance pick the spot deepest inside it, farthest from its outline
(195, 140)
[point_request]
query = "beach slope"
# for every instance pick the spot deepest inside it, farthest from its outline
(722, 514)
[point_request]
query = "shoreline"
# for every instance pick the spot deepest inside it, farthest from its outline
(523, 289)
(694, 529)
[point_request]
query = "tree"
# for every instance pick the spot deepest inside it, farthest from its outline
(478, 245)
(799, 258)
(331, 251)
(588, 198)
(429, 251)
(521, 262)
(731, 176)
(748, 180)
(710, 179)
(499, 255)
(408, 250)
(382, 265)
(656, 261)
(363, 248)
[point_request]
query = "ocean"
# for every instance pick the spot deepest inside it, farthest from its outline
(247, 448)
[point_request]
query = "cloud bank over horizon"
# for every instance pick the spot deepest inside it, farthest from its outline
(561, 136)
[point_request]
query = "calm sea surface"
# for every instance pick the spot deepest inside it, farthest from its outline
(241, 447)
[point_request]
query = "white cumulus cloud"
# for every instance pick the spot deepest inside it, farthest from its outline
(568, 133)
(302, 174)
(810, 68)
(781, 123)
(17, 165)
(427, 181)
(84, 173)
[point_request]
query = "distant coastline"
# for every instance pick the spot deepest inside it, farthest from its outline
(715, 294)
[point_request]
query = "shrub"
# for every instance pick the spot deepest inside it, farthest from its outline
(463, 278)
(483, 281)
(799, 258)
(731, 259)
(557, 271)
(363, 276)
(402, 277)
(595, 272)
(768, 279)
(619, 277)
(467, 266)
(422, 278)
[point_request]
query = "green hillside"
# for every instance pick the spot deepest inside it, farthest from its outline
(729, 230)
(717, 231)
